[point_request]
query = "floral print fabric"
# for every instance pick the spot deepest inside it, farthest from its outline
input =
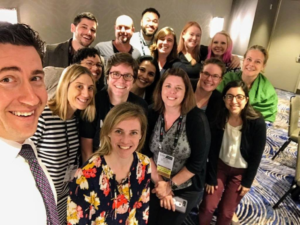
(97, 198)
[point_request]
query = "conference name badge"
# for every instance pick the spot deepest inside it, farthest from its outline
(70, 173)
(165, 164)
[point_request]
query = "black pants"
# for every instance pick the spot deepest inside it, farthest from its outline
(162, 216)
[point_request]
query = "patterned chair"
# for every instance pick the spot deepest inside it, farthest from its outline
(295, 188)
(293, 131)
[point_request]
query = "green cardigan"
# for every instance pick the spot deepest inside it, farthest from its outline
(263, 96)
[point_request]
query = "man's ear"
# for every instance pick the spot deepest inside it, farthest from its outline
(73, 27)
(133, 29)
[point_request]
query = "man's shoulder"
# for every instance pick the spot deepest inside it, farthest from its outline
(104, 44)
(55, 46)
(135, 52)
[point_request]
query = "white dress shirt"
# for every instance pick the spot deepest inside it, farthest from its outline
(21, 201)
(230, 152)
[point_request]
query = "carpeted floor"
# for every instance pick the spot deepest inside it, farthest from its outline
(273, 179)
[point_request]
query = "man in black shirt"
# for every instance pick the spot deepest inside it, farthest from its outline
(121, 73)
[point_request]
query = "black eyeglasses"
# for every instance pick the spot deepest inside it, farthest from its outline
(117, 75)
(214, 77)
(230, 97)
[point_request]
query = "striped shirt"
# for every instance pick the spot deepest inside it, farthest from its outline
(57, 144)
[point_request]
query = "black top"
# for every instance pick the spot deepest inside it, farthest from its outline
(214, 104)
(192, 70)
(198, 134)
(253, 142)
(103, 106)
(203, 53)
(173, 64)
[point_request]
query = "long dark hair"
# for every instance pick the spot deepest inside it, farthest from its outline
(248, 113)
(150, 89)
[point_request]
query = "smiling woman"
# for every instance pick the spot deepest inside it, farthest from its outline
(56, 138)
(147, 78)
(262, 94)
(177, 143)
(122, 195)
(237, 144)
(164, 49)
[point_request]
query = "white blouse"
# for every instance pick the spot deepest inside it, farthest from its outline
(230, 152)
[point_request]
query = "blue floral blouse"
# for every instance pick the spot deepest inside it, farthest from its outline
(97, 198)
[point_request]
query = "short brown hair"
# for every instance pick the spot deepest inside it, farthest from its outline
(121, 58)
(116, 115)
(217, 62)
(188, 101)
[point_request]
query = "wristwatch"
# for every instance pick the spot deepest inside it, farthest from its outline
(173, 185)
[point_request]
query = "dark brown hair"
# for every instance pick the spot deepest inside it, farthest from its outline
(248, 113)
(188, 101)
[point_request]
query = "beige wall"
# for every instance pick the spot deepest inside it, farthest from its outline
(52, 18)
(263, 22)
(240, 24)
(282, 70)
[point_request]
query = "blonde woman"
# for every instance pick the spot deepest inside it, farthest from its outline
(221, 47)
(56, 138)
(113, 186)
(189, 49)
(164, 49)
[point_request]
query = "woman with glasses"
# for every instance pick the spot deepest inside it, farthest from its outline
(121, 72)
(90, 58)
(237, 143)
(207, 97)
(147, 78)
(221, 47)
(56, 138)
(262, 94)
(178, 141)
(164, 49)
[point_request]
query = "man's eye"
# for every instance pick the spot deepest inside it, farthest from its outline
(37, 78)
(6, 80)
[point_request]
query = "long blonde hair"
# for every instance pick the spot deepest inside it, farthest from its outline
(181, 46)
(59, 103)
(116, 115)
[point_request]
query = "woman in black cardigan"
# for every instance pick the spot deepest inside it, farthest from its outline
(238, 141)
(207, 97)
(177, 130)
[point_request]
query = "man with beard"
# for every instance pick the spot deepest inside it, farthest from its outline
(123, 32)
(84, 32)
(149, 25)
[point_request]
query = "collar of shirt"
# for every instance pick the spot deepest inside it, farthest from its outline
(9, 150)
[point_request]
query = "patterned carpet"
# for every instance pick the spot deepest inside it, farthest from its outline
(273, 179)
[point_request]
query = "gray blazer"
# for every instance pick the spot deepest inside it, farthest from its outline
(57, 55)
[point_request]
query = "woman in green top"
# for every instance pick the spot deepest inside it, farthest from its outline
(262, 95)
